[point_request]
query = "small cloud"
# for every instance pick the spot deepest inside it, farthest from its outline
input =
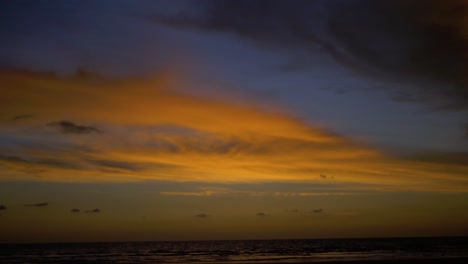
(326, 177)
(37, 204)
(21, 117)
(201, 215)
(75, 210)
(261, 214)
(295, 211)
(68, 127)
(94, 211)
(316, 211)
(2, 207)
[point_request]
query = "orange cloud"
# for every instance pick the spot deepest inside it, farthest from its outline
(148, 102)
(148, 130)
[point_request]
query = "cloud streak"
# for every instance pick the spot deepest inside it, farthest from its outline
(37, 205)
(34, 166)
(93, 211)
(68, 127)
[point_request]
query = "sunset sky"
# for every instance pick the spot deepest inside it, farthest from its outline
(232, 119)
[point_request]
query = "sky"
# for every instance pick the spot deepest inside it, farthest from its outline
(232, 119)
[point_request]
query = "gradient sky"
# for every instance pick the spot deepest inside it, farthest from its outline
(171, 120)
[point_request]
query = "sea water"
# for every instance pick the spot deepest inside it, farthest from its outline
(239, 251)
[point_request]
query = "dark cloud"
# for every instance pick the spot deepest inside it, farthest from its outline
(94, 211)
(2, 207)
(316, 211)
(419, 41)
(422, 43)
(261, 214)
(68, 127)
(75, 210)
(201, 215)
(114, 166)
(37, 204)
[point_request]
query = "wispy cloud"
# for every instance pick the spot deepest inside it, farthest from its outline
(39, 166)
(261, 214)
(68, 127)
(93, 211)
(34, 166)
(316, 211)
(37, 204)
(107, 165)
(75, 210)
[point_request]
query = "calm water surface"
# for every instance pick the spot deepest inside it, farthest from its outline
(241, 251)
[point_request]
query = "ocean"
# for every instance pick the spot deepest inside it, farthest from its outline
(384, 250)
